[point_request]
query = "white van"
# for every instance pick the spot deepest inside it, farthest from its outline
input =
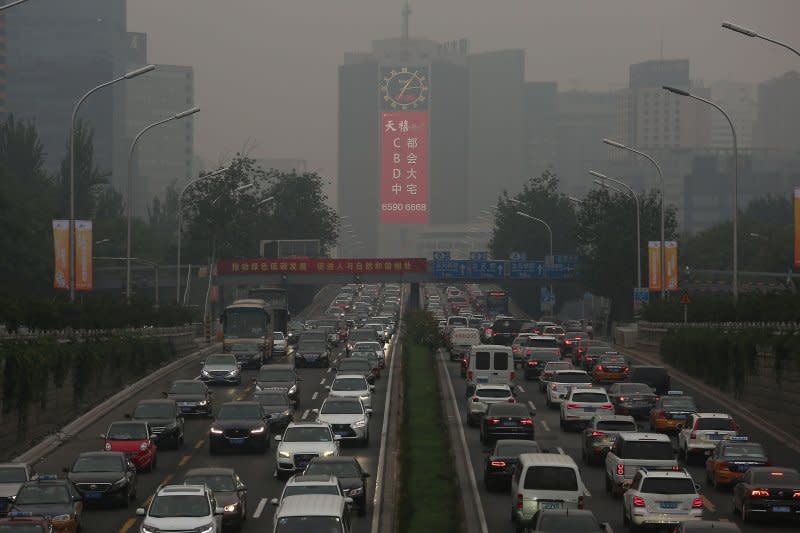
(462, 340)
(491, 364)
(544, 481)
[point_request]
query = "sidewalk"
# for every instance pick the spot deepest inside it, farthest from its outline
(754, 416)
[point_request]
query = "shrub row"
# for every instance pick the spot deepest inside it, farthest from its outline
(720, 308)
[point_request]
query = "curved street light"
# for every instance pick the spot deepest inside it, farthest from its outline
(750, 33)
(126, 76)
(550, 232)
(12, 4)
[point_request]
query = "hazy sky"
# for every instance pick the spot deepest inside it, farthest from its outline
(266, 70)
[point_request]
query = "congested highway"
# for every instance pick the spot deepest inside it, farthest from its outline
(256, 470)
(497, 505)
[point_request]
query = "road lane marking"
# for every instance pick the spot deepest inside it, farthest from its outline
(533, 407)
(167, 479)
(185, 459)
(543, 423)
(260, 508)
(240, 398)
(322, 382)
(330, 369)
(561, 450)
(708, 504)
(305, 415)
(199, 444)
(127, 525)
(314, 396)
(519, 388)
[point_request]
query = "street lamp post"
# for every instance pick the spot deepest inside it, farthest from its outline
(621, 146)
(750, 33)
(126, 76)
(138, 136)
(12, 4)
(180, 220)
(681, 92)
(550, 232)
(638, 221)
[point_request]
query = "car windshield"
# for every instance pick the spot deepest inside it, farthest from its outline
(187, 387)
(616, 425)
(665, 485)
(492, 393)
(98, 463)
(748, 451)
(154, 410)
(789, 477)
(349, 384)
(364, 355)
(551, 478)
(38, 494)
(572, 378)
(313, 347)
(656, 450)
(307, 434)
(715, 424)
(239, 410)
(13, 475)
(127, 431)
(271, 398)
(221, 360)
(513, 449)
(678, 403)
(566, 523)
(507, 409)
(338, 407)
(269, 374)
(179, 505)
(297, 490)
(309, 524)
(544, 356)
(215, 482)
(340, 469)
(633, 388)
(589, 397)
(363, 346)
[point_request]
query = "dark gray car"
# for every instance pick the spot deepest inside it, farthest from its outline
(192, 397)
(278, 408)
(281, 378)
(103, 477)
(165, 419)
(229, 491)
(348, 471)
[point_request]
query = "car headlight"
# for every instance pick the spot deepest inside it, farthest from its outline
(231, 508)
(283, 454)
(205, 372)
(364, 397)
(359, 424)
(143, 446)
(216, 431)
(62, 518)
(208, 528)
(329, 453)
(149, 529)
(293, 389)
(356, 491)
(233, 372)
(202, 402)
(286, 413)
(258, 430)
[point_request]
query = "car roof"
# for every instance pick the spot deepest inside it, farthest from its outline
(492, 386)
(642, 436)
(157, 401)
(659, 472)
(346, 376)
(712, 415)
(588, 389)
(335, 459)
(548, 459)
(313, 479)
(18, 465)
(614, 418)
(308, 423)
(182, 489)
(278, 366)
(311, 505)
(210, 471)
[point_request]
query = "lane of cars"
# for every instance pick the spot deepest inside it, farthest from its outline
(210, 452)
(628, 445)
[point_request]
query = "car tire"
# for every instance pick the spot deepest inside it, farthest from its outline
(745, 515)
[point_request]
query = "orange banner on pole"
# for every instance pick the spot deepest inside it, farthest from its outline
(83, 255)
(61, 246)
(654, 265)
(671, 258)
(797, 227)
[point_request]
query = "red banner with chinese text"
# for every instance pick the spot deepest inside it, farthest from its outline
(321, 266)
(404, 167)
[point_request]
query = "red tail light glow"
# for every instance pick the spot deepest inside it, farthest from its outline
(796, 494)
(572, 405)
(607, 406)
(599, 368)
(513, 375)
(533, 363)
(723, 465)
(519, 502)
(697, 503)
(476, 399)
(759, 493)
(493, 421)
(526, 422)
(598, 434)
(620, 469)
(580, 502)
(553, 387)
(638, 501)
(499, 464)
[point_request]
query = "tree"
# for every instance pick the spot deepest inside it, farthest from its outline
(89, 181)
(607, 238)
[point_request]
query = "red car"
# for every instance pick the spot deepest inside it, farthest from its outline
(135, 439)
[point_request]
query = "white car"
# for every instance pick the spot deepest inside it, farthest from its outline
(482, 396)
(348, 418)
(12, 476)
(661, 498)
(703, 431)
(300, 484)
(581, 404)
(182, 508)
(301, 442)
(351, 386)
(363, 346)
(561, 382)
(278, 343)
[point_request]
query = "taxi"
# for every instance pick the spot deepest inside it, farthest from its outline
(670, 411)
(53, 499)
(19, 522)
(731, 458)
(610, 368)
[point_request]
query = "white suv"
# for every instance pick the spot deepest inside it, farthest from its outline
(561, 382)
(301, 442)
(182, 508)
(661, 498)
(703, 431)
(482, 396)
(348, 418)
(581, 404)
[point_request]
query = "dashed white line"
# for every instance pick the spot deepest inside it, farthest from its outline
(314, 396)
(519, 388)
(533, 407)
(330, 369)
(260, 508)
(322, 382)
(561, 450)
(305, 415)
(543, 423)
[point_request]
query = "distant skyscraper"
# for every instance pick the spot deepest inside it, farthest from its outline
(778, 123)
(541, 118)
(57, 51)
(740, 101)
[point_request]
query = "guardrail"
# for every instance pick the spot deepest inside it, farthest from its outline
(70, 333)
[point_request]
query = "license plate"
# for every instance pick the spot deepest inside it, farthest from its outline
(715, 436)
(509, 423)
(483, 380)
(612, 370)
(669, 505)
(589, 409)
(674, 416)
(549, 505)
(186, 409)
(236, 442)
(93, 495)
(781, 509)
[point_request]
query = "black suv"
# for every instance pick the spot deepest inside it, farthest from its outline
(165, 419)
(505, 330)
(656, 377)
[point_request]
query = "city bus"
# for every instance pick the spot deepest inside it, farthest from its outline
(496, 303)
(248, 321)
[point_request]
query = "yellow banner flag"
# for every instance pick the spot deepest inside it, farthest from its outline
(797, 227)
(654, 265)
(671, 259)
(61, 245)
(83, 255)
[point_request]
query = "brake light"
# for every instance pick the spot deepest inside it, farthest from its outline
(693, 435)
(723, 465)
(598, 434)
(676, 468)
(513, 374)
(599, 368)
(499, 464)
(735, 425)
(533, 363)
(638, 501)
(796, 494)
(476, 399)
(622, 398)
(493, 421)
(526, 422)
(626, 370)
(607, 406)
(759, 493)
(580, 502)
(697, 503)
(572, 405)
(567, 341)
(553, 387)
(620, 469)
(519, 502)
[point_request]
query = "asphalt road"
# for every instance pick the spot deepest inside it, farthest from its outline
(497, 505)
(256, 470)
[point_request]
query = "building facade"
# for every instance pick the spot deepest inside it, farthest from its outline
(778, 124)
(740, 101)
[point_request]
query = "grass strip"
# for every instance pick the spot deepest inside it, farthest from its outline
(428, 492)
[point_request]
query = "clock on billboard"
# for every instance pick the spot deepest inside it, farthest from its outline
(405, 88)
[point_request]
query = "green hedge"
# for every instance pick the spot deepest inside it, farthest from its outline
(723, 358)
(720, 308)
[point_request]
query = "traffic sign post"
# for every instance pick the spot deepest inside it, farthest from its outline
(685, 301)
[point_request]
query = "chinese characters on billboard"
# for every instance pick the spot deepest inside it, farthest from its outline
(294, 265)
(654, 264)
(404, 146)
(83, 255)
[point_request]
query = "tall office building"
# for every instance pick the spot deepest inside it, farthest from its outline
(56, 52)
(740, 101)
(541, 119)
(3, 66)
(778, 123)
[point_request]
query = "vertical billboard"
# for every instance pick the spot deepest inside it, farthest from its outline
(83, 255)
(671, 259)
(654, 265)
(797, 227)
(404, 159)
(61, 245)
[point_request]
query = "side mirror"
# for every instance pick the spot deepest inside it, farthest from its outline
(315, 411)
(273, 501)
(348, 500)
(153, 436)
(368, 411)
(605, 526)
(202, 363)
(219, 511)
(277, 438)
(102, 436)
(697, 487)
(165, 394)
(562, 396)
(337, 438)
(140, 511)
